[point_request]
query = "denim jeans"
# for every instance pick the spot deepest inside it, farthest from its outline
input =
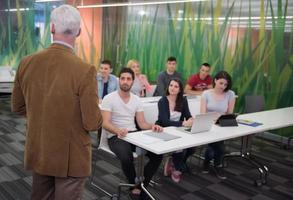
(179, 159)
(123, 151)
(215, 151)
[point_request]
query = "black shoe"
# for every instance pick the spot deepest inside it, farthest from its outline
(220, 173)
(144, 196)
(134, 196)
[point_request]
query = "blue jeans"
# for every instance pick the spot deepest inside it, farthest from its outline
(179, 159)
(215, 151)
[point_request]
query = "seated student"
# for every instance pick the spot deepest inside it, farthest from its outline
(174, 111)
(119, 109)
(222, 100)
(165, 76)
(199, 82)
(140, 85)
(107, 82)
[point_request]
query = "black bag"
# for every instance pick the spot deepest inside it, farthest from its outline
(227, 120)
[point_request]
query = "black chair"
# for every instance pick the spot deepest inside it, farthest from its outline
(253, 103)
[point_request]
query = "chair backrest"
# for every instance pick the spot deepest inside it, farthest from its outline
(104, 143)
(151, 112)
(105, 146)
(151, 93)
(254, 103)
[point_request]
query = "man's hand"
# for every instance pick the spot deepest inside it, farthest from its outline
(157, 128)
(122, 132)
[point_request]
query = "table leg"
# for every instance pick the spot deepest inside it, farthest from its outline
(245, 153)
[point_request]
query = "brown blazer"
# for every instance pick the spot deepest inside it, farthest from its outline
(57, 92)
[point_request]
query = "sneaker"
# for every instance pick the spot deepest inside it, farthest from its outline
(220, 173)
(176, 176)
(168, 167)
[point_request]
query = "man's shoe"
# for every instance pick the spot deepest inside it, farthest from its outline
(168, 167)
(144, 196)
(220, 173)
(134, 196)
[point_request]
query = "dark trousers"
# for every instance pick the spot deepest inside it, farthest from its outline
(215, 151)
(124, 152)
(180, 158)
(57, 188)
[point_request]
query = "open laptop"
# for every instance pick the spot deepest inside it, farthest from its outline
(201, 123)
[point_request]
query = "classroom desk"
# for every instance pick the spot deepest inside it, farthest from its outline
(271, 119)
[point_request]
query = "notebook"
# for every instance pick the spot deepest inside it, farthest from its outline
(202, 123)
(248, 122)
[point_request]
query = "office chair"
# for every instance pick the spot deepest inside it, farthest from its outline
(253, 103)
(151, 93)
(103, 146)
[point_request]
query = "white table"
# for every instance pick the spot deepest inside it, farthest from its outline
(272, 119)
(7, 75)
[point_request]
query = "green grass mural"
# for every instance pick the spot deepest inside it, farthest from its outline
(260, 59)
(19, 37)
(264, 67)
(260, 63)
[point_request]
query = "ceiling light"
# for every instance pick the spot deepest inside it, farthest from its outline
(136, 3)
(16, 9)
(142, 12)
(44, 1)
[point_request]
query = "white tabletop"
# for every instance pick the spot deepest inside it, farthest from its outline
(271, 119)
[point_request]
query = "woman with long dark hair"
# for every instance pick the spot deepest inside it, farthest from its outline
(220, 99)
(174, 111)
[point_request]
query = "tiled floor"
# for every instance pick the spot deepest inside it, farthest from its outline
(15, 182)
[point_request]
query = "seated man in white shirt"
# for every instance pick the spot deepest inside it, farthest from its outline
(119, 111)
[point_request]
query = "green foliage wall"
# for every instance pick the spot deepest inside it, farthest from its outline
(18, 35)
(261, 61)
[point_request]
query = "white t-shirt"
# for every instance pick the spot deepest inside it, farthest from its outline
(123, 114)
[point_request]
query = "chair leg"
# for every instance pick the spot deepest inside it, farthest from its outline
(154, 183)
(112, 196)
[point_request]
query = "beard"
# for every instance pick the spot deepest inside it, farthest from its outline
(125, 88)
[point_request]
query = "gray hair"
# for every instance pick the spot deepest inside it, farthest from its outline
(66, 20)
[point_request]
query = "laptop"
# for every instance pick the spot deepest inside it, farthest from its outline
(201, 123)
